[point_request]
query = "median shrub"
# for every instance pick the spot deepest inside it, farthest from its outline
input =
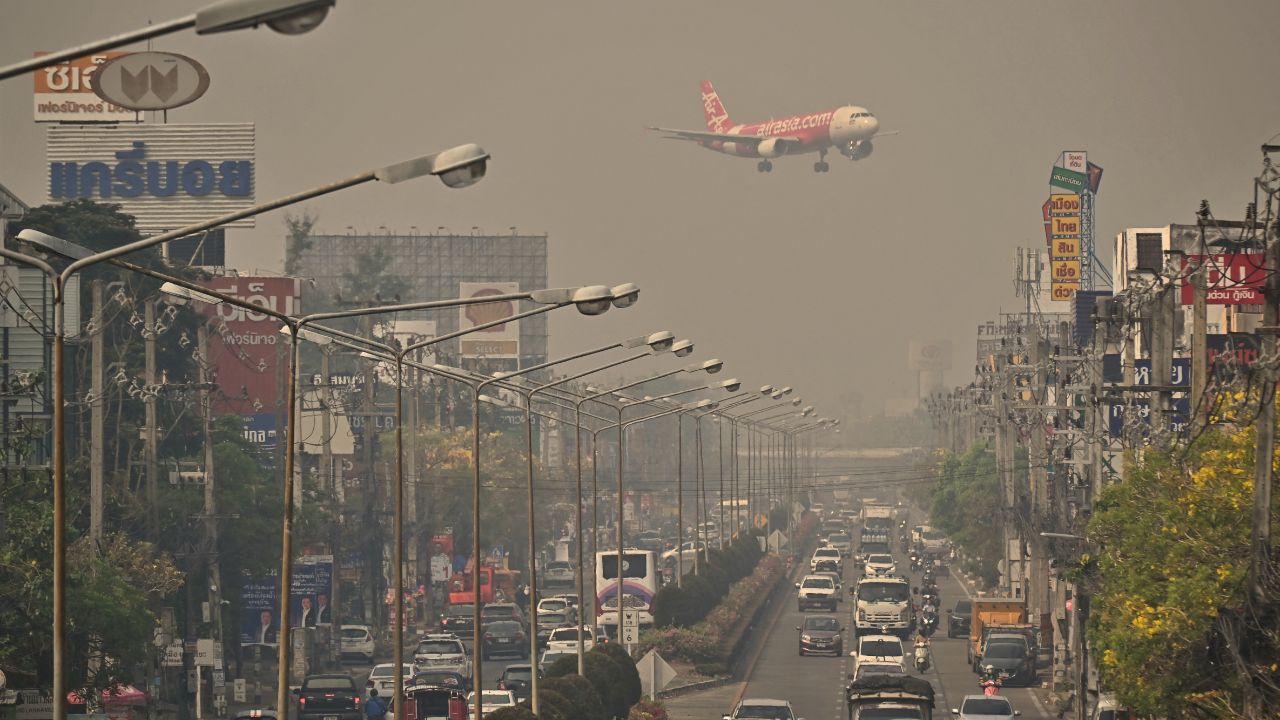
(580, 693)
(627, 666)
(648, 710)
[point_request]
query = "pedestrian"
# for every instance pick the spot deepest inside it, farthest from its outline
(376, 707)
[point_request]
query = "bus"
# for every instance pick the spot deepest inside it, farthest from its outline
(639, 584)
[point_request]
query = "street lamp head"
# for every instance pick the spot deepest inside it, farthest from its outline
(494, 401)
(682, 348)
(287, 17)
(657, 342)
(732, 384)
(625, 295)
(55, 245)
(184, 293)
(786, 390)
(704, 404)
(766, 389)
(796, 401)
(456, 167)
(777, 395)
(807, 411)
(836, 421)
(306, 334)
(593, 299)
(712, 366)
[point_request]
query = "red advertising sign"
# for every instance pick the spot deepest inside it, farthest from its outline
(246, 348)
(1232, 279)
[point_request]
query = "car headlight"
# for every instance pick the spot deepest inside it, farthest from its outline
(862, 614)
(805, 638)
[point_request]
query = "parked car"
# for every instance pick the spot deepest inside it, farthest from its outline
(357, 640)
(459, 619)
(504, 637)
(329, 697)
(821, 634)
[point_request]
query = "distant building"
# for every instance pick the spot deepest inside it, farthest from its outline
(336, 272)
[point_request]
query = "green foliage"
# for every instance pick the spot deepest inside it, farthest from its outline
(519, 712)
(605, 676)
(627, 665)
(1172, 622)
(554, 706)
(648, 710)
(580, 693)
(965, 503)
(298, 239)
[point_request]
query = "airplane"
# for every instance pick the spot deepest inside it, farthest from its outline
(849, 129)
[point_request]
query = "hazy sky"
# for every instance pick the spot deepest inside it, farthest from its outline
(792, 277)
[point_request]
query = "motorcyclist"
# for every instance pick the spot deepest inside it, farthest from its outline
(989, 682)
(922, 653)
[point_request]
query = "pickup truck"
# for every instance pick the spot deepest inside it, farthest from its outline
(888, 696)
(329, 697)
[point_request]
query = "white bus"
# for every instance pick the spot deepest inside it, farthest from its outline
(639, 585)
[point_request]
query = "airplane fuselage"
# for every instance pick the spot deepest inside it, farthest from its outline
(843, 128)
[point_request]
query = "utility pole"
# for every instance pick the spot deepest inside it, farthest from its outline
(1266, 423)
(1199, 344)
(97, 408)
(152, 434)
(328, 477)
(210, 503)
(1162, 315)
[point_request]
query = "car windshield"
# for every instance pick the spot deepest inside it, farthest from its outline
(880, 648)
(1005, 650)
(963, 607)
(564, 634)
(881, 559)
(381, 671)
(932, 535)
(518, 673)
(883, 592)
(986, 706)
(496, 611)
(552, 605)
(354, 633)
(839, 538)
(438, 647)
(550, 618)
(329, 683)
(492, 697)
(770, 712)
(446, 679)
(827, 552)
(818, 582)
(504, 627)
(558, 565)
(888, 714)
(822, 623)
(878, 669)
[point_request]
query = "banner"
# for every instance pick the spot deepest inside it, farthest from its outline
(1231, 279)
(1067, 179)
(309, 593)
(499, 341)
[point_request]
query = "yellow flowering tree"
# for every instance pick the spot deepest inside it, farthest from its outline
(1168, 616)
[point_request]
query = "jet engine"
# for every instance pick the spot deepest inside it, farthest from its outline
(859, 151)
(772, 148)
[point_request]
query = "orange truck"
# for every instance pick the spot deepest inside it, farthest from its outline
(988, 611)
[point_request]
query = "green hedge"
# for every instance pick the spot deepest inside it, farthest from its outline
(689, 602)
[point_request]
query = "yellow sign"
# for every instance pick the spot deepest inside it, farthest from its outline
(1064, 205)
(1063, 291)
(762, 520)
(1065, 226)
(1065, 249)
(1064, 271)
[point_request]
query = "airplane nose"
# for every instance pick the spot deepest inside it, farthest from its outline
(873, 124)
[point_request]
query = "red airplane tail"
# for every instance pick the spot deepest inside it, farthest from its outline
(717, 116)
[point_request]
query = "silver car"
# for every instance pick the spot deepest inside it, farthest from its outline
(985, 707)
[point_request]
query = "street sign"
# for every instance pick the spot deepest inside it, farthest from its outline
(762, 520)
(655, 673)
(219, 678)
(204, 651)
(173, 655)
(238, 690)
(777, 541)
(630, 627)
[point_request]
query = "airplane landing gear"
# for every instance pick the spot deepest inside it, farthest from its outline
(821, 166)
(764, 166)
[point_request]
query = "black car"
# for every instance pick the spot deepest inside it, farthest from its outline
(459, 620)
(494, 612)
(821, 634)
(504, 637)
(1011, 661)
(958, 619)
(827, 566)
(517, 679)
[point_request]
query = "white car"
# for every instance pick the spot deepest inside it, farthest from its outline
(816, 591)
(357, 640)
(825, 553)
(566, 640)
(441, 652)
(879, 564)
(493, 700)
(878, 650)
(383, 677)
(552, 605)
(985, 707)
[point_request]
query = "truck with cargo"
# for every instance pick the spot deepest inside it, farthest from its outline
(883, 606)
(900, 697)
(989, 611)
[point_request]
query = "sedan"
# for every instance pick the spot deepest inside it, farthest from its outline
(493, 700)
(821, 634)
(984, 707)
(504, 637)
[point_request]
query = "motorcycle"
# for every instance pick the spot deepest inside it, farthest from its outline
(915, 562)
(991, 681)
(928, 624)
(922, 657)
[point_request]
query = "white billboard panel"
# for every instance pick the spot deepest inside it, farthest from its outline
(166, 176)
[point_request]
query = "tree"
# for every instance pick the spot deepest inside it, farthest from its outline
(298, 240)
(965, 503)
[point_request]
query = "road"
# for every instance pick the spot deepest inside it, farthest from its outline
(815, 684)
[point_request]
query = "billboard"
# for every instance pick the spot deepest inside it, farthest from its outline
(1232, 279)
(1064, 249)
(166, 176)
(64, 92)
(1064, 226)
(309, 593)
(499, 341)
(247, 349)
(929, 355)
(1067, 179)
(1064, 271)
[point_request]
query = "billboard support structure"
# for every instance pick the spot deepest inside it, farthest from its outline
(1089, 264)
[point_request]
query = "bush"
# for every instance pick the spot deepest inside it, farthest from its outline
(519, 712)
(648, 710)
(554, 706)
(562, 667)
(627, 665)
(580, 693)
(606, 677)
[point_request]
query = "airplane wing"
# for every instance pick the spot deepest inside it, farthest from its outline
(888, 132)
(699, 136)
